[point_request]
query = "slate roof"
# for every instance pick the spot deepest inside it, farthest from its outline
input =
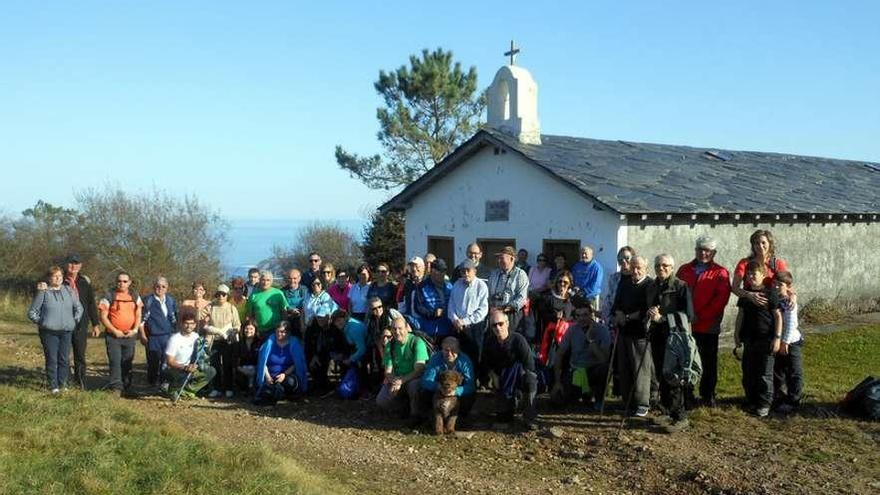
(633, 178)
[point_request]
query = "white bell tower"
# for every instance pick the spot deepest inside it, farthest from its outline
(513, 102)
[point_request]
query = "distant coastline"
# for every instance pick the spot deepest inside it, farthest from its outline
(250, 241)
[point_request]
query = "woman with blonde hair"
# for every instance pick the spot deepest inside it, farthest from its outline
(56, 310)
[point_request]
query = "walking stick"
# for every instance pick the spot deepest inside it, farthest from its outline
(195, 357)
(610, 367)
(632, 389)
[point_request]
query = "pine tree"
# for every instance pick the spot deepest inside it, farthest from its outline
(430, 108)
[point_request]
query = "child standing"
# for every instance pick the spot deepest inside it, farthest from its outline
(788, 369)
(759, 329)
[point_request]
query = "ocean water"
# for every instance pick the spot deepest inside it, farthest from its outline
(251, 241)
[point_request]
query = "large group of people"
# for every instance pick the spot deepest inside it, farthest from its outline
(401, 339)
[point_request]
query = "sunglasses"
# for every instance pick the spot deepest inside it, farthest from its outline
(325, 272)
(381, 271)
(623, 258)
(159, 286)
(498, 324)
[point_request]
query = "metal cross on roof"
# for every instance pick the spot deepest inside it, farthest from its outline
(512, 53)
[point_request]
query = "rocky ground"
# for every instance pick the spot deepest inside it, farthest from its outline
(574, 451)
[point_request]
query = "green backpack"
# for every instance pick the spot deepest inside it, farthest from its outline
(681, 362)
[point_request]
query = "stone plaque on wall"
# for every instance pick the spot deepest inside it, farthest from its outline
(498, 211)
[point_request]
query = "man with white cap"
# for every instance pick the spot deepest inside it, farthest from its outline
(468, 308)
(709, 283)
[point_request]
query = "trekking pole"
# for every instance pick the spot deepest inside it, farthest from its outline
(632, 390)
(610, 367)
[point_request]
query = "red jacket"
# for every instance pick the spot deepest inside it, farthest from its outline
(553, 335)
(710, 293)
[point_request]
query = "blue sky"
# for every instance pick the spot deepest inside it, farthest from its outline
(231, 100)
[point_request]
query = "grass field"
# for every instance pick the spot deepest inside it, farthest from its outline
(84, 443)
(93, 443)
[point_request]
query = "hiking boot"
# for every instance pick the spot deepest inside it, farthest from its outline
(785, 409)
(55, 391)
(663, 420)
(230, 394)
(597, 406)
(762, 412)
(677, 425)
(641, 412)
(214, 394)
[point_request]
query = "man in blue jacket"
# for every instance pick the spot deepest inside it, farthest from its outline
(449, 359)
(588, 275)
(158, 323)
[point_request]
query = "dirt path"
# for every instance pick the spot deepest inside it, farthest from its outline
(575, 452)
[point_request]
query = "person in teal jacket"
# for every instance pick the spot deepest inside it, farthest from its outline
(449, 358)
(281, 367)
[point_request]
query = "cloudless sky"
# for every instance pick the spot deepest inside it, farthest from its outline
(242, 103)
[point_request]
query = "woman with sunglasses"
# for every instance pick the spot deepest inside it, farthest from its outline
(558, 319)
(383, 287)
(319, 298)
(221, 328)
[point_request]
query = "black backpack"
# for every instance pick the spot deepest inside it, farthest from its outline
(864, 400)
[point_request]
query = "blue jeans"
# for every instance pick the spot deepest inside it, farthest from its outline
(56, 349)
(788, 375)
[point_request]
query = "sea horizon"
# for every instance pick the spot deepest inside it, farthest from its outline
(250, 241)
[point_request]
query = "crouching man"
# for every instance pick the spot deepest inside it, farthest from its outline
(404, 361)
(449, 358)
(582, 361)
(186, 356)
(507, 355)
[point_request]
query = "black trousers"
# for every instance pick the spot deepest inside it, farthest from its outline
(80, 339)
(757, 372)
(222, 361)
(707, 347)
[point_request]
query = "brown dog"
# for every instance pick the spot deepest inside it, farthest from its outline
(446, 402)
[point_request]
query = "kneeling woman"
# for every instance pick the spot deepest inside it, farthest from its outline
(282, 365)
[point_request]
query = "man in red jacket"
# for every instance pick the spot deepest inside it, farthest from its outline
(710, 285)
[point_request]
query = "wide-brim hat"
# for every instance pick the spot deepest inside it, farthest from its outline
(509, 250)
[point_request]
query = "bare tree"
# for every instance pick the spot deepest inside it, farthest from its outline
(335, 244)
